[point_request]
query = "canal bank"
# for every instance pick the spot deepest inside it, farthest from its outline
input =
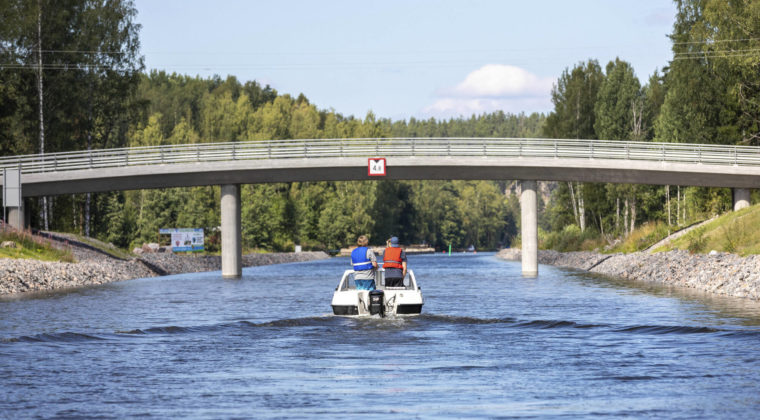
(93, 267)
(719, 273)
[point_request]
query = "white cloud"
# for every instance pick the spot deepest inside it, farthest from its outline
(455, 107)
(491, 88)
(498, 80)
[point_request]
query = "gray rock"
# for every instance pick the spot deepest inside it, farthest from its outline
(719, 273)
(21, 275)
(151, 247)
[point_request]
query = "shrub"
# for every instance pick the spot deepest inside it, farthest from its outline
(642, 238)
(569, 239)
(697, 241)
(734, 235)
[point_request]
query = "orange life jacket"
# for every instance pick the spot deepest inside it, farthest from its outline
(392, 258)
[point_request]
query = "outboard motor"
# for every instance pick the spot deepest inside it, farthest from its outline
(377, 303)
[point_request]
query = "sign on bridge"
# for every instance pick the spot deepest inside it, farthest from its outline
(376, 167)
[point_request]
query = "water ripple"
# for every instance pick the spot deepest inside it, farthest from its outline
(423, 321)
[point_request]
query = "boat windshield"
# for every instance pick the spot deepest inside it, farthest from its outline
(348, 282)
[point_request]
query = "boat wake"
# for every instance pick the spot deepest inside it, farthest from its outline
(420, 322)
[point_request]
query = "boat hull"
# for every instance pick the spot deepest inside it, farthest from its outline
(352, 310)
(349, 301)
(345, 310)
(409, 309)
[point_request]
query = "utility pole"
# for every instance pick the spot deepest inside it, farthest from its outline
(41, 99)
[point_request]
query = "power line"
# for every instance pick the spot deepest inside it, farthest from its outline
(354, 53)
(716, 41)
(432, 59)
(59, 67)
(723, 52)
(717, 56)
(298, 65)
(716, 53)
(83, 51)
(34, 51)
(208, 67)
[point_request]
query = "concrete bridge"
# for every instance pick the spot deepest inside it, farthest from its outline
(528, 160)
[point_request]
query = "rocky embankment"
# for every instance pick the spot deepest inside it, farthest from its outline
(176, 264)
(719, 273)
(93, 267)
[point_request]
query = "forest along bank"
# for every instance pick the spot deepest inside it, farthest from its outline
(719, 273)
(20, 275)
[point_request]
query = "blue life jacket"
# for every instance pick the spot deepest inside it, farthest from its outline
(359, 259)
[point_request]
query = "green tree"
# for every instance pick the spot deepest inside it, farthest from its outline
(438, 213)
(618, 110)
(150, 134)
(70, 71)
(121, 221)
(483, 210)
(272, 120)
(346, 213)
(304, 123)
(263, 215)
(574, 97)
(182, 133)
(654, 97)
(728, 35)
(157, 209)
(219, 117)
(392, 212)
(698, 106)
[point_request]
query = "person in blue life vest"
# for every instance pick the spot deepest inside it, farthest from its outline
(364, 262)
(394, 263)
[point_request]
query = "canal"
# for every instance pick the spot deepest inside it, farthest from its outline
(489, 343)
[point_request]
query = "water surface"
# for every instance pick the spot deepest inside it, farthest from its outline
(488, 344)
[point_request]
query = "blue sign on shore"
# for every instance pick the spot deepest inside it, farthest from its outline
(185, 239)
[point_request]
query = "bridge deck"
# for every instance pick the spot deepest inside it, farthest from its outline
(407, 158)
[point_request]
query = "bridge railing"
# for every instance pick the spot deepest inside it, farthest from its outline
(387, 147)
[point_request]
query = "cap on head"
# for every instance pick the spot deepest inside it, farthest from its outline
(394, 241)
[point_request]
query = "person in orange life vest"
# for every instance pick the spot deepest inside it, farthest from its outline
(364, 262)
(394, 263)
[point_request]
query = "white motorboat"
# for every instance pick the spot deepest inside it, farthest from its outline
(385, 300)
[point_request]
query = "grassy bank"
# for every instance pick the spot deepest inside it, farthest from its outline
(107, 248)
(572, 239)
(732, 232)
(31, 247)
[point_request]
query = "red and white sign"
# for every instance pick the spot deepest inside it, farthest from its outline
(376, 167)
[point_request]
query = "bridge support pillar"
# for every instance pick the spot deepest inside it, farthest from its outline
(16, 217)
(529, 229)
(13, 201)
(741, 198)
(232, 250)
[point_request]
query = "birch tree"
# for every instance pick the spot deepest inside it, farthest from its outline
(574, 97)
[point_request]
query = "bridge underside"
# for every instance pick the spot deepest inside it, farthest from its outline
(344, 169)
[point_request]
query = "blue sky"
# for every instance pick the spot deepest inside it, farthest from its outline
(404, 59)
